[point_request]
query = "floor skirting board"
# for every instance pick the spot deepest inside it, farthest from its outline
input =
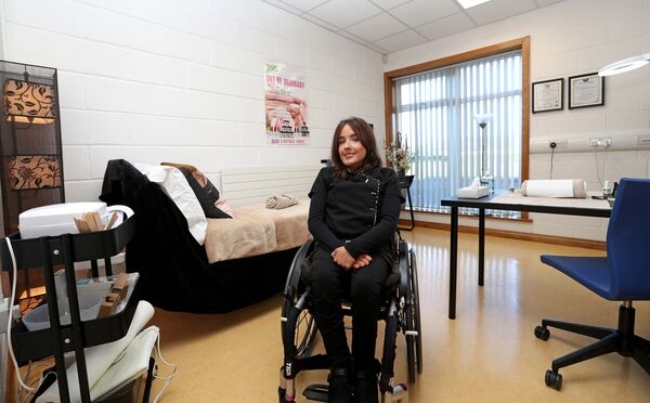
(522, 236)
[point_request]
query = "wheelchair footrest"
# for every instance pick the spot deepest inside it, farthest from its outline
(316, 392)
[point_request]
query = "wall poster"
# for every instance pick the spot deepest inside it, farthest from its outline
(285, 102)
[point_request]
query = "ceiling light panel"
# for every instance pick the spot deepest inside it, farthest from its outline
(471, 3)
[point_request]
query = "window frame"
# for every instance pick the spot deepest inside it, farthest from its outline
(522, 44)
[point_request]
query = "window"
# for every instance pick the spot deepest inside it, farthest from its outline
(434, 108)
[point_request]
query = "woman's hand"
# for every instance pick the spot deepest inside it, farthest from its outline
(343, 258)
(362, 261)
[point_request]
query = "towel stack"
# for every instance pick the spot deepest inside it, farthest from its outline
(280, 201)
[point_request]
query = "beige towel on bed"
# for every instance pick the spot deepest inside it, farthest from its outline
(554, 188)
(280, 201)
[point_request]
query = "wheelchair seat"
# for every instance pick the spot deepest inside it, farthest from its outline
(400, 312)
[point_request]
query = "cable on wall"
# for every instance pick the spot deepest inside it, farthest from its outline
(600, 181)
(553, 145)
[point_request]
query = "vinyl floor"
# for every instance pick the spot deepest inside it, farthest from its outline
(487, 354)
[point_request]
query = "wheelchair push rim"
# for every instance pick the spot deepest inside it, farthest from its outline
(413, 330)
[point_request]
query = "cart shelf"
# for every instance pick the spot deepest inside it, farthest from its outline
(66, 249)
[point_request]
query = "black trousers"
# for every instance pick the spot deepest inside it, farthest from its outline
(332, 284)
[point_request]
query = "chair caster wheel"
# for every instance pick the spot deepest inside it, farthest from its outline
(542, 333)
(553, 379)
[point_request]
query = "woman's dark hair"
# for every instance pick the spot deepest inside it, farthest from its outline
(367, 137)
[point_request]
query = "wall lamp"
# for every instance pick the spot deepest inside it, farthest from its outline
(625, 65)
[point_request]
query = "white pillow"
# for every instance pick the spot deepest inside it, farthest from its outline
(178, 189)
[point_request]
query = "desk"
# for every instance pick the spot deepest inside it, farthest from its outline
(514, 202)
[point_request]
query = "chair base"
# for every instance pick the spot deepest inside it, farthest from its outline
(621, 340)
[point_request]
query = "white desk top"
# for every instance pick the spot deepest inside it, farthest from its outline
(517, 198)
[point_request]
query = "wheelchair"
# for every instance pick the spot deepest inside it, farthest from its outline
(400, 312)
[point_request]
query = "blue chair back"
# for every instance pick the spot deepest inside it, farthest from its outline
(628, 241)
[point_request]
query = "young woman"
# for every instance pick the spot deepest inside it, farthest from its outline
(353, 215)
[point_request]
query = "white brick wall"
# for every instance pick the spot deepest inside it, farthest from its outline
(181, 80)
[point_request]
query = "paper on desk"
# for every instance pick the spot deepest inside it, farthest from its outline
(517, 198)
(99, 358)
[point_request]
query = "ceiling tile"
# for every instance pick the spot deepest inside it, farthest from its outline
(321, 23)
(392, 25)
(447, 26)
(389, 4)
(343, 13)
(377, 27)
(303, 5)
(419, 12)
(284, 6)
(497, 10)
(401, 41)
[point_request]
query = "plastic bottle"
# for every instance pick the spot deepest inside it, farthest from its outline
(607, 189)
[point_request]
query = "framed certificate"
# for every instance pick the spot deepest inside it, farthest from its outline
(548, 95)
(586, 90)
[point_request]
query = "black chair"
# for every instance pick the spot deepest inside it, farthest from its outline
(623, 275)
(401, 313)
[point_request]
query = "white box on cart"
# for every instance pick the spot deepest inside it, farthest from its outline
(57, 219)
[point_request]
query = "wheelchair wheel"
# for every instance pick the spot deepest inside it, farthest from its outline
(302, 326)
(298, 326)
(413, 330)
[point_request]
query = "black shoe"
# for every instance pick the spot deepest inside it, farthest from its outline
(366, 387)
(339, 386)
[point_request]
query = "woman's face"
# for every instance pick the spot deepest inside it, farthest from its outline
(351, 151)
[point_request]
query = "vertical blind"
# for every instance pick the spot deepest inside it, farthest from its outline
(435, 111)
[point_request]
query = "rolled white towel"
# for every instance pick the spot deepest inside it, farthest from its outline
(554, 188)
(280, 201)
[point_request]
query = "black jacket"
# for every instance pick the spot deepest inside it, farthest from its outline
(360, 212)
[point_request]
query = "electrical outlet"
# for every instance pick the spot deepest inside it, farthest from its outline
(558, 143)
(600, 142)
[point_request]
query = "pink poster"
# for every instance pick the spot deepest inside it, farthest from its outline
(285, 98)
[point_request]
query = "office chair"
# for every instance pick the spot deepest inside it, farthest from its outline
(623, 275)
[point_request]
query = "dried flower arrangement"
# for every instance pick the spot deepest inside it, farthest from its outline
(399, 155)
